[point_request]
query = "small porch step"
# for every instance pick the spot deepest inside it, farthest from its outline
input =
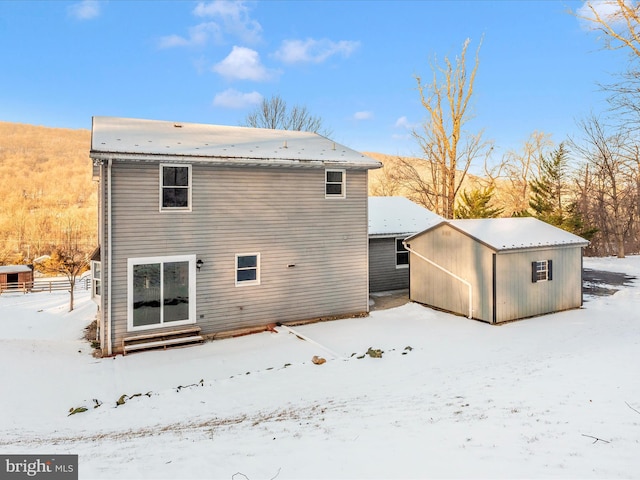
(164, 339)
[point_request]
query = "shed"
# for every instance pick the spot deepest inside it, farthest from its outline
(391, 220)
(498, 269)
(16, 276)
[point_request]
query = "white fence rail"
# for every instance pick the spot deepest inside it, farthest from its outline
(46, 285)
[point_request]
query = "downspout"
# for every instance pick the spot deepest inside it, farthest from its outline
(468, 284)
(110, 263)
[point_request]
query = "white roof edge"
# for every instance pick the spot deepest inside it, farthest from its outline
(512, 234)
(228, 161)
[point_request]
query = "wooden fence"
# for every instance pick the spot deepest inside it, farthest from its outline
(46, 285)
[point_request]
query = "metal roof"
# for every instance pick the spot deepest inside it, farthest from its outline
(503, 234)
(398, 216)
(15, 269)
(143, 140)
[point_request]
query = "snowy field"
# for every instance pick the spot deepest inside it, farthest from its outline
(556, 396)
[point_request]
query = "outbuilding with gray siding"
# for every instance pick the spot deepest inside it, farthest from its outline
(391, 220)
(496, 270)
(226, 229)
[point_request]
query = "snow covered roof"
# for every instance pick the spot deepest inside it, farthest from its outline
(516, 233)
(15, 268)
(391, 216)
(142, 140)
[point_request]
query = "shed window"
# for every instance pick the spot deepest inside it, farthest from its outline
(161, 291)
(335, 183)
(247, 269)
(175, 187)
(541, 271)
(402, 255)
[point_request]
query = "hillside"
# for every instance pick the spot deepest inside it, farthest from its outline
(46, 190)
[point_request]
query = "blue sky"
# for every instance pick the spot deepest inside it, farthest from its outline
(351, 63)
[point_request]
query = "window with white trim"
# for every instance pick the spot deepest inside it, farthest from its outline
(402, 254)
(247, 269)
(96, 279)
(541, 271)
(335, 183)
(161, 291)
(175, 187)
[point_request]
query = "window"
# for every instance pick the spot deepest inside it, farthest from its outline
(541, 271)
(96, 279)
(247, 269)
(335, 183)
(161, 291)
(175, 187)
(402, 255)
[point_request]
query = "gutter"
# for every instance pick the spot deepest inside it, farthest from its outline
(468, 284)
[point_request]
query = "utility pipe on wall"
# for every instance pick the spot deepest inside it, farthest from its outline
(468, 284)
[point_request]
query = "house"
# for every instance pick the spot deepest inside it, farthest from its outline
(16, 277)
(209, 229)
(391, 220)
(496, 270)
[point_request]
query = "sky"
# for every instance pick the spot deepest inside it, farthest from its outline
(352, 63)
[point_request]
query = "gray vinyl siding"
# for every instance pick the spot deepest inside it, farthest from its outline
(518, 297)
(460, 255)
(383, 273)
(313, 249)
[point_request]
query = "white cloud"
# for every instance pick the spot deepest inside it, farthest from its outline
(403, 122)
(607, 10)
(313, 51)
(363, 115)
(198, 35)
(224, 17)
(84, 10)
(242, 64)
(234, 17)
(234, 99)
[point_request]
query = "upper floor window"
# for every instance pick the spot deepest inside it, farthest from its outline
(541, 271)
(335, 183)
(175, 187)
(402, 254)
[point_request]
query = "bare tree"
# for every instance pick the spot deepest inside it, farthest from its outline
(447, 150)
(618, 21)
(275, 114)
(609, 184)
(69, 259)
(512, 176)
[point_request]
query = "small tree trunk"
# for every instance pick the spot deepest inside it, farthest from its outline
(71, 296)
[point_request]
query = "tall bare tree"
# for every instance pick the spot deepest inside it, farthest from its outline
(514, 172)
(609, 186)
(618, 22)
(447, 149)
(274, 113)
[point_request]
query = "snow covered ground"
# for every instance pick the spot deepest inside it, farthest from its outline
(549, 397)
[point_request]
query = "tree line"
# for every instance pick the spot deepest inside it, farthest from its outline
(588, 185)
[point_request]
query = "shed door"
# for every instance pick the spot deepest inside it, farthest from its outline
(12, 278)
